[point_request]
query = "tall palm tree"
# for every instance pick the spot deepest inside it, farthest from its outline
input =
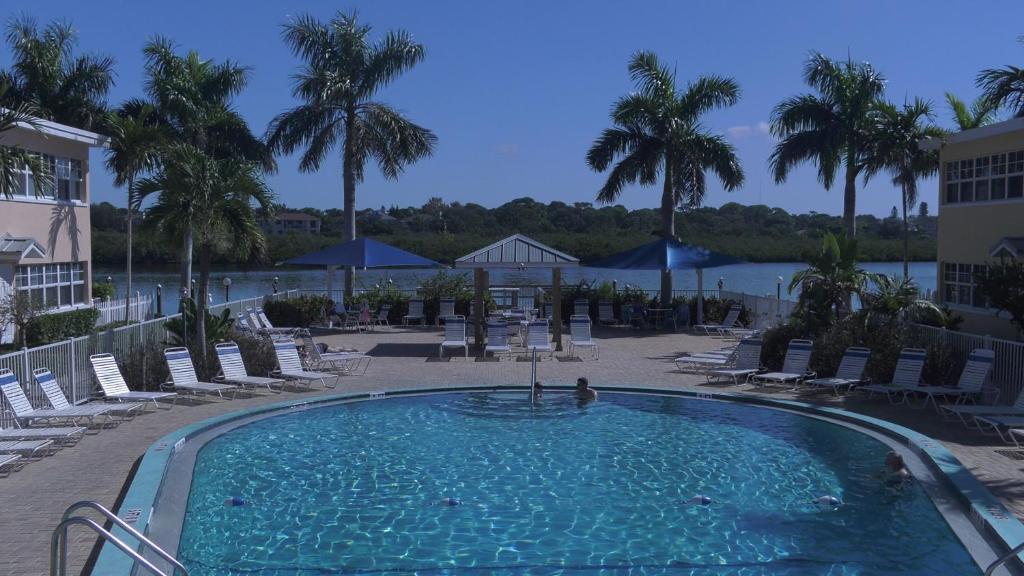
(981, 112)
(64, 88)
(895, 149)
(134, 144)
(1004, 87)
(831, 128)
(342, 72)
(658, 133)
(14, 159)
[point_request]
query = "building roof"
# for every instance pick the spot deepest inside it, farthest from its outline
(51, 128)
(1012, 125)
(1009, 246)
(517, 251)
(296, 216)
(20, 248)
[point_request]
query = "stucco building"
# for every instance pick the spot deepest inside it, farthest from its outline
(293, 223)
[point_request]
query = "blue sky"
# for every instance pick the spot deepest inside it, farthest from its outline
(517, 91)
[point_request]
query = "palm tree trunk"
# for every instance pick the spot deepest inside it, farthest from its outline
(668, 228)
(128, 282)
(201, 305)
(349, 178)
(850, 201)
(906, 235)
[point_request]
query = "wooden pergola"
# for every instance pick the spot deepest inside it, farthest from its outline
(517, 251)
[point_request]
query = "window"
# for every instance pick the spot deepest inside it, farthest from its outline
(958, 284)
(990, 177)
(53, 285)
(67, 181)
(1014, 186)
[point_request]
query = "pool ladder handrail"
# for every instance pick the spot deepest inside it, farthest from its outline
(1004, 559)
(58, 542)
(533, 378)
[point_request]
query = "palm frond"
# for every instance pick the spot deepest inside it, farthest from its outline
(651, 77)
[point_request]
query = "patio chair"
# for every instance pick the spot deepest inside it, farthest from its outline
(999, 424)
(382, 316)
(454, 335)
(970, 386)
(8, 462)
(968, 412)
(549, 310)
(445, 310)
(184, 378)
(25, 414)
(537, 339)
(270, 328)
(581, 307)
(707, 360)
(47, 382)
(908, 373)
(259, 327)
(794, 367)
(290, 366)
(497, 339)
(415, 312)
(28, 448)
(114, 388)
(58, 435)
(850, 372)
(579, 336)
(606, 313)
(727, 323)
(748, 363)
(232, 369)
(353, 363)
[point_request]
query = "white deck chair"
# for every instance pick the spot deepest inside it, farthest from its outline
(28, 448)
(537, 338)
(748, 363)
(908, 373)
(382, 316)
(709, 360)
(497, 339)
(232, 369)
(454, 335)
(581, 307)
(415, 312)
(727, 323)
(445, 310)
(794, 367)
(8, 462)
(850, 372)
(256, 324)
(59, 435)
(549, 310)
(114, 387)
(970, 386)
(270, 328)
(184, 379)
(290, 366)
(26, 414)
(606, 313)
(966, 413)
(1001, 424)
(353, 363)
(579, 336)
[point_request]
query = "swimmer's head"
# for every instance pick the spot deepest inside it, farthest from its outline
(450, 502)
(234, 501)
(700, 500)
(827, 502)
(582, 383)
(894, 461)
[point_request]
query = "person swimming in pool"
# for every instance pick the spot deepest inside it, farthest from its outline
(538, 391)
(583, 390)
(896, 472)
(449, 501)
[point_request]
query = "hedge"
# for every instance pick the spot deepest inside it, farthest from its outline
(61, 326)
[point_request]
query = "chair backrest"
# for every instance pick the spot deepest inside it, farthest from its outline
(497, 334)
(104, 366)
(549, 310)
(254, 320)
(581, 307)
(263, 318)
(415, 307)
(605, 311)
(909, 367)
(179, 361)
(49, 385)
(854, 361)
(243, 322)
(731, 316)
(748, 354)
(798, 357)
(446, 307)
(579, 328)
(455, 329)
(230, 358)
(384, 311)
(13, 393)
(309, 345)
(287, 355)
(977, 369)
(537, 334)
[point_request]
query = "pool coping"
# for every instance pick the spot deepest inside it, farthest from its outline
(986, 513)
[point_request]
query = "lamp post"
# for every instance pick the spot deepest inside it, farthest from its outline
(721, 285)
(159, 301)
(275, 284)
(227, 289)
(778, 288)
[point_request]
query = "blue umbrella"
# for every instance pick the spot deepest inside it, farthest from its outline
(665, 254)
(364, 253)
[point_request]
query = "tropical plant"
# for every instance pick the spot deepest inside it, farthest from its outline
(898, 299)
(981, 112)
(14, 159)
(64, 88)
(658, 133)
(895, 148)
(832, 128)
(1001, 284)
(185, 331)
(342, 73)
(832, 276)
(1004, 87)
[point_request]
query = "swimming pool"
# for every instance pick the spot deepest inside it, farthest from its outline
(601, 488)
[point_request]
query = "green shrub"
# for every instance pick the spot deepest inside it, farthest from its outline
(144, 368)
(301, 312)
(775, 342)
(103, 290)
(49, 328)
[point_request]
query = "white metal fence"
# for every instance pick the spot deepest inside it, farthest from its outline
(1008, 369)
(140, 309)
(764, 310)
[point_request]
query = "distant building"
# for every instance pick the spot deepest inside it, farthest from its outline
(293, 223)
(981, 216)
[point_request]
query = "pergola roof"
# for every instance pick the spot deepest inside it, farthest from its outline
(517, 251)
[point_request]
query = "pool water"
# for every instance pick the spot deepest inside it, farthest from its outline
(555, 488)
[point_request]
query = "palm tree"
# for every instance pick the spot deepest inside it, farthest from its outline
(133, 149)
(1004, 87)
(827, 284)
(342, 73)
(895, 149)
(658, 133)
(14, 159)
(899, 299)
(980, 113)
(830, 128)
(64, 88)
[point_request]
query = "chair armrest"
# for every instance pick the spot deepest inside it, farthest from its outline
(165, 386)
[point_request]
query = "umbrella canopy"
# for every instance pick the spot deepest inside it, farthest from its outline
(665, 254)
(364, 253)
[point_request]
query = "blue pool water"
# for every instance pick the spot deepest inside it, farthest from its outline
(555, 488)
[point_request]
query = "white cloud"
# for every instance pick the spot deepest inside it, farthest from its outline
(760, 129)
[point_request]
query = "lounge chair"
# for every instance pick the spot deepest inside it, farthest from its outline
(606, 313)
(794, 367)
(454, 335)
(727, 323)
(579, 336)
(581, 307)
(290, 366)
(353, 363)
(999, 424)
(184, 379)
(415, 312)
(114, 387)
(9, 462)
(850, 372)
(382, 316)
(967, 412)
(970, 386)
(497, 339)
(549, 310)
(702, 362)
(537, 339)
(748, 363)
(908, 373)
(267, 327)
(26, 414)
(59, 435)
(445, 310)
(27, 448)
(232, 369)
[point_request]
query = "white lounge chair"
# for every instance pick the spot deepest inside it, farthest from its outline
(8, 462)
(382, 316)
(290, 366)
(60, 435)
(26, 414)
(454, 335)
(232, 369)
(606, 313)
(850, 372)
(794, 367)
(415, 312)
(968, 412)
(970, 386)
(259, 321)
(497, 339)
(184, 379)
(579, 336)
(549, 310)
(445, 310)
(907, 374)
(702, 361)
(28, 448)
(999, 424)
(114, 387)
(727, 323)
(537, 339)
(748, 363)
(581, 307)
(353, 363)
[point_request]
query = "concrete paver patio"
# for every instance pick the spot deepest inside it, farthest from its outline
(33, 499)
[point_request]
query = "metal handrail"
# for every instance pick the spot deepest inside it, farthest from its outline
(58, 561)
(533, 378)
(1004, 559)
(127, 528)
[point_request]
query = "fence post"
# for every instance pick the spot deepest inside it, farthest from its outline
(72, 378)
(24, 364)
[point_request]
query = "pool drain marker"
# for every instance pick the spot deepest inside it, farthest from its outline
(377, 395)
(132, 515)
